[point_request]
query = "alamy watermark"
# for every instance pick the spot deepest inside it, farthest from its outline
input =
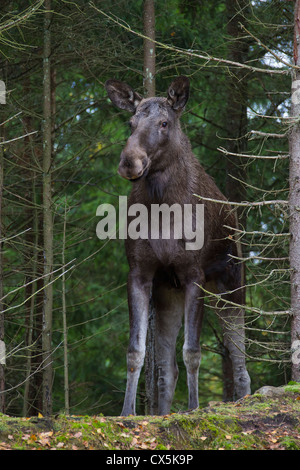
(2, 92)
(296, 352)
(295, 92)
(163, 222)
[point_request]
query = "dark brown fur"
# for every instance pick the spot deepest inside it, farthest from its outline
(158, 159)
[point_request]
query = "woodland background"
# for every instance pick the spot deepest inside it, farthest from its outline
(62, 290)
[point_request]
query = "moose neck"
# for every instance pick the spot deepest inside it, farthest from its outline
(172, 181)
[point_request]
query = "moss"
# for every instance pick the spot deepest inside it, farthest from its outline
(290, 444)
(293, 387)
(256, 422)
(161, 447)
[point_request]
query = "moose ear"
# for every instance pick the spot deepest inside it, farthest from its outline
(122, 95)
(178, 93)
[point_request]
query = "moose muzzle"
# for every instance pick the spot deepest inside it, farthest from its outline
(134, 161)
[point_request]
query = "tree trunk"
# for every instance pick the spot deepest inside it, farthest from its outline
(2, 341)
(294, 201)
(149, 48)
(64, 315)
(30, 255)
(151, 376)
(47, 216)
(151, 372)
(236, 103)
(236, 134)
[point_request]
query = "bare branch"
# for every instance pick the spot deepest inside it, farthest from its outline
(244, 204)
(266, 157)
(266, 134)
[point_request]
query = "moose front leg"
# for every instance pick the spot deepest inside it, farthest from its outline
(192, 329)
(138, 302)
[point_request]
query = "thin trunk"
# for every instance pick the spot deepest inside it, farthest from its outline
(295, 203)
(30, 325)
(236, 120)
(151, 372)
(151, 376)
(47, 215)
(2, 340)
(35, 393)
(149, 48)
(65, 329)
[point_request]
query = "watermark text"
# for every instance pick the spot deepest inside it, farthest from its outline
(160, 221)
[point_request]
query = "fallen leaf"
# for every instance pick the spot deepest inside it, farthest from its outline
(46, 434)
(275, 446)
(143, 446)
(44, 442)
(4, 446)
(273, 440)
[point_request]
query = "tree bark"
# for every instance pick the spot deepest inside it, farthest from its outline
(29, 243)
(236, 103)
(47, 215)
(151, 376)
(294, 202)
(64, 315)
(2, 339)
(151, 372)
(149, 48)
(236, 120)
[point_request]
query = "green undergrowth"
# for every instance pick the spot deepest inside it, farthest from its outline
(255, 422)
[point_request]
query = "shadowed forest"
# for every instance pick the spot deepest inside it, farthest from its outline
(63, 299)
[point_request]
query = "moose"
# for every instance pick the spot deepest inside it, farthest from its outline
(158, 160)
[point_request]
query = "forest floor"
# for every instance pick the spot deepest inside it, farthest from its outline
(268, 420)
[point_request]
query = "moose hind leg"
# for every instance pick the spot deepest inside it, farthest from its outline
(169, 307)
(191, 348)
(232, 321)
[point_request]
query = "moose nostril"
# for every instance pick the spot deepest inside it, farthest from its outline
(127, 163)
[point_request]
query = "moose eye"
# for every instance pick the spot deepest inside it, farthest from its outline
(164, 124)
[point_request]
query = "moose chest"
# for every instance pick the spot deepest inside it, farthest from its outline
(167, 252)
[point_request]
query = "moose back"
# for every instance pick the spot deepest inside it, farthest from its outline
(158, 160)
